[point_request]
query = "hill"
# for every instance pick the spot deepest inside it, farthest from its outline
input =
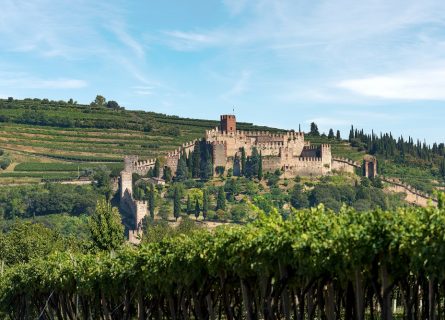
(45, 139)
(55, 140)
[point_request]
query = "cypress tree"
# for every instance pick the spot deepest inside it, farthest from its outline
(205, 203)
(314, 130)
(351, 134)
(243, 162)
(338, 135)
(196, 161)
(260, 167)
(206, 165)
(176, 204)
(182, 171)
(151, 201)
(442, 168)
(197, 209)
(221, 199)
(331, 134)
(167, 174)
(157, 169)
(189, 205)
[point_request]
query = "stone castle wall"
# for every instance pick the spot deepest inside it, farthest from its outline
(268, 143)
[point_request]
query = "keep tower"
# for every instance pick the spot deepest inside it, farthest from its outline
(228, 123)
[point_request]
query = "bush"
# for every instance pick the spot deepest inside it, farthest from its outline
(5, 162)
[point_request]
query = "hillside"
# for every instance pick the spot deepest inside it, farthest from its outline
(56, 139)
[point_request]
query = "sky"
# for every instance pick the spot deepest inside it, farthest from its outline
(376, 64)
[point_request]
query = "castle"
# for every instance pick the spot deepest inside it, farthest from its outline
(287, 152)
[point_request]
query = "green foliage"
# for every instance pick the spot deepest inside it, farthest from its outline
(346, 256)
(205, 203)
(177, 202)
(221, 200)
(157, 169)
(107, 230)
(197, 209)
(298, 197)
(314, 130)
(167, 174)
(189, 205)
(100, 101)
(52, 198)
(151, 201)
(182, 170)
(24, 241)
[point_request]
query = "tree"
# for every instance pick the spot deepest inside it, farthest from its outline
(196, 160)
(113, 105)
(102, 181)
(176, 203)
(331, 134)
(298, 198)
(243, 162)
(197, 209)
(314, 130)
(189, 205)
(157, 169)
(442, 168)
(260, 167)
(167, 174)
(106, 228)
(221, 200)
(99, 101)
(206, 165)
(205, 203)
(252, 164)
(351, 134)
(182, 170)
(26, 240)
(151, 201)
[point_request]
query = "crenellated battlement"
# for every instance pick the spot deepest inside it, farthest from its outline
(311, 147)
(308, 159)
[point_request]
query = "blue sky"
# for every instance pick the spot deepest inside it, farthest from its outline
(373, 63)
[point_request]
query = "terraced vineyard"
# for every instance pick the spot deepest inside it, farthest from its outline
(51, 140)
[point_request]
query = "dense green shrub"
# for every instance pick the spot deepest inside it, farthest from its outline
(341, 265)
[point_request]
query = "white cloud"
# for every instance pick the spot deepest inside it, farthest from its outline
(426, 84)
(186, 41)
(240, 86)
(128, 40)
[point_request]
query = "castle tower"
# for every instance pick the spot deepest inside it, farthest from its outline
(129, 162)
(126, 182)
(369, 167)
(228, 123)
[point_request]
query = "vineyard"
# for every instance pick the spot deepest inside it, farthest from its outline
(316, 264)
(42, 137)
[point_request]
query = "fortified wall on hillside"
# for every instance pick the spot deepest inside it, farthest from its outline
(287, 152)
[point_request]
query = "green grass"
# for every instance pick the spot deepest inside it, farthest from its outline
(41, 175)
